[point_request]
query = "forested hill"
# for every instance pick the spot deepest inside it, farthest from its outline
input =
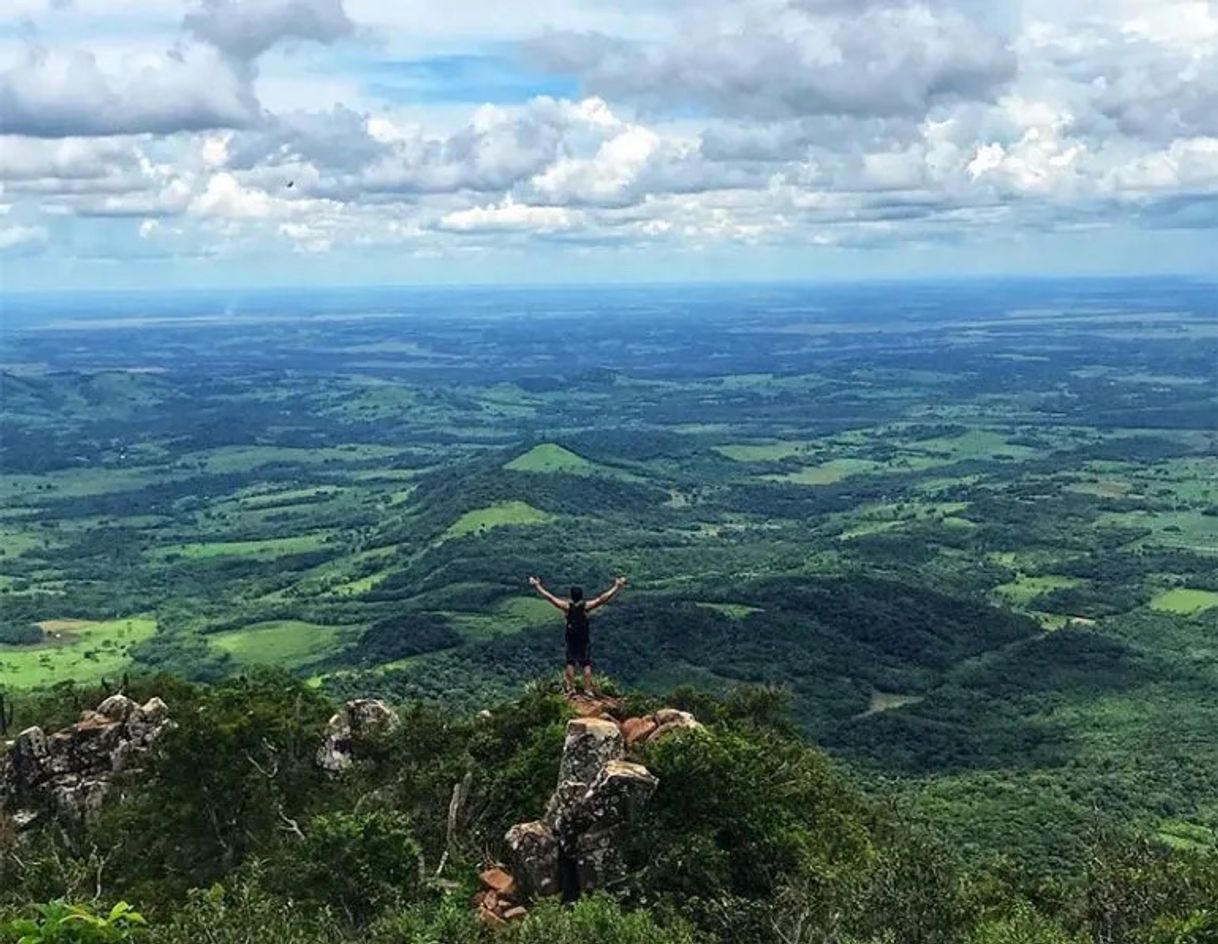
(256, 810)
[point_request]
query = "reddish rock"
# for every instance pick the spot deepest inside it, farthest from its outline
(637, 729)
(515, 914)
(499, 882)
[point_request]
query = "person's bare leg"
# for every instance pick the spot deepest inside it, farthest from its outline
(588, 687)
(570, 678)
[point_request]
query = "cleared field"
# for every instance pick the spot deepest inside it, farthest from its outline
(270, 547)
(289, 643)
(732, 610)
(16, 543)
(1024, 589)
(551, 457)
(827, 473)
(526, 611)
(973, 444)
(762, 452)
(87, 650)
(1189, 529)
(360, 585)
(1184, 601)
(511, 616)
(228, 459)
(77, 483)
(497, 516)
(295, 496)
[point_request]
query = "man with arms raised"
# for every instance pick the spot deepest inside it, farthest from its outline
(579, 640)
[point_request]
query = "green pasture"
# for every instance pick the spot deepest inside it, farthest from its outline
(502, 514)
(267, 547)
(287, 643)
(1187, 529)
(551, 457)
(732, 610)
(1025, 588)
(14, 543)
(86, 650)
(1184, 601)
(764, 451)
(292, 496)
(507, 617)
(78, 483)
(229, 459)
(360, 585)
(827, 473)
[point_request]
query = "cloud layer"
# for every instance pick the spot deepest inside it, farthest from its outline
(231, 127)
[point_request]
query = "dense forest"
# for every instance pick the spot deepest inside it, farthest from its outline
(967, 532)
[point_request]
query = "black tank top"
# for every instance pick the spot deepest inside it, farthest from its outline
(577, 619)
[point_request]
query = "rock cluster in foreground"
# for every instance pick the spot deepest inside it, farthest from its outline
(576, 846)
(69, 773)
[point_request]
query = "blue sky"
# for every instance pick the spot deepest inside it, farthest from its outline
(178, 143)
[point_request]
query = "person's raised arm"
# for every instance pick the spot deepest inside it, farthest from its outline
(618, 585)
(535, 583)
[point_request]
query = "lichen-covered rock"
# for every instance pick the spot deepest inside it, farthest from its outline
(358, 726)
(117, 708)
(533, 848)
(598, 859)
(70, 773)
(611, 800)
(589, 745)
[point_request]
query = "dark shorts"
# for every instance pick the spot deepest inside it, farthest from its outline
(579, 650)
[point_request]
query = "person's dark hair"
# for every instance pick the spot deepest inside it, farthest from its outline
(577, 594)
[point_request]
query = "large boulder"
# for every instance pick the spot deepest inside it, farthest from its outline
(619, 790)
(589, 745)
(353, 732)
(533, 848)
(69, 774)
(591, 828)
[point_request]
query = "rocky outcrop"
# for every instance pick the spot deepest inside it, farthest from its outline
(352, 733)
(68, 774)
(576, 847)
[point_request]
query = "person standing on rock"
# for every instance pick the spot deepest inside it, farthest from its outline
(579, 639)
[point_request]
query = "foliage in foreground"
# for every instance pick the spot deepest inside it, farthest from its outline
(752, 838)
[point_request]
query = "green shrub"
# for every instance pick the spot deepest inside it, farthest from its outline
(1023, 926)
(244, 914)
(58, 922)
(1200, 927)
(356, 862)
(597, 919)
